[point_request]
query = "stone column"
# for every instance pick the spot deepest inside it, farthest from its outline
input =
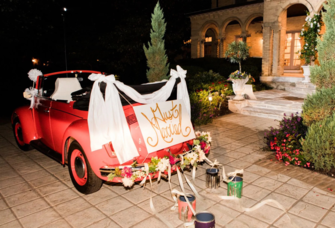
(202, 49)
(282, 42)
(194, 48)
(276, 49)
(266, 62)
(221, 47)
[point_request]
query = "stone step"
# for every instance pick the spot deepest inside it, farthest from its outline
(265, 112)
(306, 85)
(299, 90)
(277, 105)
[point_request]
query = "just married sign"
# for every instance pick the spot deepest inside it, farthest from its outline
(164, 124)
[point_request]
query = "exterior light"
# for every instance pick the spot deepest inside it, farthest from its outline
(64, 9)
(210, 98)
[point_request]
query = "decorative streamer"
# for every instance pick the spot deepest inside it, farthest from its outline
(30, 94)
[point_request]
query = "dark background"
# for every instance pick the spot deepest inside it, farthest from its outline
(111, 31)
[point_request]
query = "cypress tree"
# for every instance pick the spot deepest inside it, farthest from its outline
(324, 75)
(155, 53)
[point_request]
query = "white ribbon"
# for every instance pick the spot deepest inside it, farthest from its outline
(158, 215)
(30, 94)
(106, 119)
(107, 122)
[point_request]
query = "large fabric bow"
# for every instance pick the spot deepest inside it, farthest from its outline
(30, 94)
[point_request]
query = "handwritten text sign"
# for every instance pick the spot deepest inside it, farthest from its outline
(164, 124)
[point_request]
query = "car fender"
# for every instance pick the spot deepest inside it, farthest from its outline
(78, 131)
(25, 115)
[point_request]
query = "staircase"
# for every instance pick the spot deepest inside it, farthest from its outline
(270, 104)
(301, 88)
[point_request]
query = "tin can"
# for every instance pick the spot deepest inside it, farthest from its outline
(204, 220)
(212, 178)
(234, 187)
(185, 213)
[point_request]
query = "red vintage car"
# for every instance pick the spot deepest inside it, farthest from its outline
(57, 126)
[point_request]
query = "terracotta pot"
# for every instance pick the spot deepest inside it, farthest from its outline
(238, 87)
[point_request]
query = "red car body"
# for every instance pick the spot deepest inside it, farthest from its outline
(53, 126)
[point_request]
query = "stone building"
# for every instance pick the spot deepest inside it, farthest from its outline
(270, 27)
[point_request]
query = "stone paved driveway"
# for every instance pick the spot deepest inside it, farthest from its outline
(35, 191)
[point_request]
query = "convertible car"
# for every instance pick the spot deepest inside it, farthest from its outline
(57, 126)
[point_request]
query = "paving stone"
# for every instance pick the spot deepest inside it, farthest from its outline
(308, 211)
(244, 221)
(329, 220)
(267, 183)
(255, 192)
(266, 214)
(138, 195)
(291, 191)
(85, 217)
(99, 196)
(223, 215)
(105, 223)
(6, 216)
(285, 201)
(299, 183)
(15, 189)
(151, 222)
(52, 188)
(258, 170)
(60, 223)
(114, 205)
(30, 207)
(72, 206)
(277, 176)
(40, 218)
(319, 199)
(62, 196)
(292, 221)
(130, 216)
(12, 224)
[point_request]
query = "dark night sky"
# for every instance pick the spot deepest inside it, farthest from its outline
(112, 31)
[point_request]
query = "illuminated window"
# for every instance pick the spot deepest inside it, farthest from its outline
(208, 39)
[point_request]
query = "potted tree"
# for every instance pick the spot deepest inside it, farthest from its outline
(310, 32)
(236, 52)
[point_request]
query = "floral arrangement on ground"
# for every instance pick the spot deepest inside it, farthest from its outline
(158, 166)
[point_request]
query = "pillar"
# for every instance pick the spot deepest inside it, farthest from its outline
(266, 62)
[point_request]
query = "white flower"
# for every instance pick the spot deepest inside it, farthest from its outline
(127, 182)
(163, 164)
(305, 47)
(209, 139)
(318, 25)
(139, 174)
(33, 73)
(197, 133)
(318, 30)
(202, 156)
(192, 157)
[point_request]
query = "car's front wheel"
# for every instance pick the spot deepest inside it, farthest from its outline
(82, 175)
(18, 135)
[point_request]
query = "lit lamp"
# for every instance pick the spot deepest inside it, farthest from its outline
(35, 61)
(210, 98)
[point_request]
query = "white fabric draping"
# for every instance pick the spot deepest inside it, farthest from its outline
(107, 122)
(106, 118)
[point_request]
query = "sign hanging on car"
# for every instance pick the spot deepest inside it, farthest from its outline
(164, 124)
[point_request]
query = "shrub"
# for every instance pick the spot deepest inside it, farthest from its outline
(202, 109)
(319, 106)
(319, 144)
(286, 140)
(324, 75)
(203, 79)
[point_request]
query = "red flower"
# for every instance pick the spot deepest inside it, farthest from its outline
(219, 82)
(225, 85)
(213, 83)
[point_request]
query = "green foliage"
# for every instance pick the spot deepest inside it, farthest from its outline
(236, 52)
(239, 75)
(202, 79)
(220, 65)
(202, 109)
(310, 32)
(324, 75)
(319, 105)
(319, 144)
(155, 53)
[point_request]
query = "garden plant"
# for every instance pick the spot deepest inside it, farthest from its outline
(319, 144)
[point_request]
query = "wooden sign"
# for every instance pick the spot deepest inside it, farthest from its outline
(164, 124)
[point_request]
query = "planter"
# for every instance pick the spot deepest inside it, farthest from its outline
(238, 87)
(307, 73)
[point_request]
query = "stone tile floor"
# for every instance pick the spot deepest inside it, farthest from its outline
(36, 191)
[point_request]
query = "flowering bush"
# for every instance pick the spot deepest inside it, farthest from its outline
(156, 166)
(310, 32)
(286, 140)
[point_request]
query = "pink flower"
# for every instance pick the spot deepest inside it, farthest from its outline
(308, 164)
(287, 163)
(127, 172)
(202, 144)
(296, 158)
(172, 160)
(207, 148)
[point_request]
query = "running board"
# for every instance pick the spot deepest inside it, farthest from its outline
(38, 145)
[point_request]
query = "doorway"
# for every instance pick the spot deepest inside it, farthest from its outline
(292, 56)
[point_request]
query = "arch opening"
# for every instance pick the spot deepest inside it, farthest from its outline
(211, 44)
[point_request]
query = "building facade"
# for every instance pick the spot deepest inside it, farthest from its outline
(271, 28)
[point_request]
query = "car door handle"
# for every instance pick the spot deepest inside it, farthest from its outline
(46, 110)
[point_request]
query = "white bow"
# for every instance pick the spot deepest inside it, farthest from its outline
(30, 94)
(180, 73)
(33, 74)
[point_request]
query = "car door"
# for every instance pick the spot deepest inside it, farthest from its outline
(42, 116)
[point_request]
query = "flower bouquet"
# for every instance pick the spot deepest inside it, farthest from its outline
(239, 79)
(128, 175)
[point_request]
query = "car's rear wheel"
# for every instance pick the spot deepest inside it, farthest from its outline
(18, 135)
(82, 175)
